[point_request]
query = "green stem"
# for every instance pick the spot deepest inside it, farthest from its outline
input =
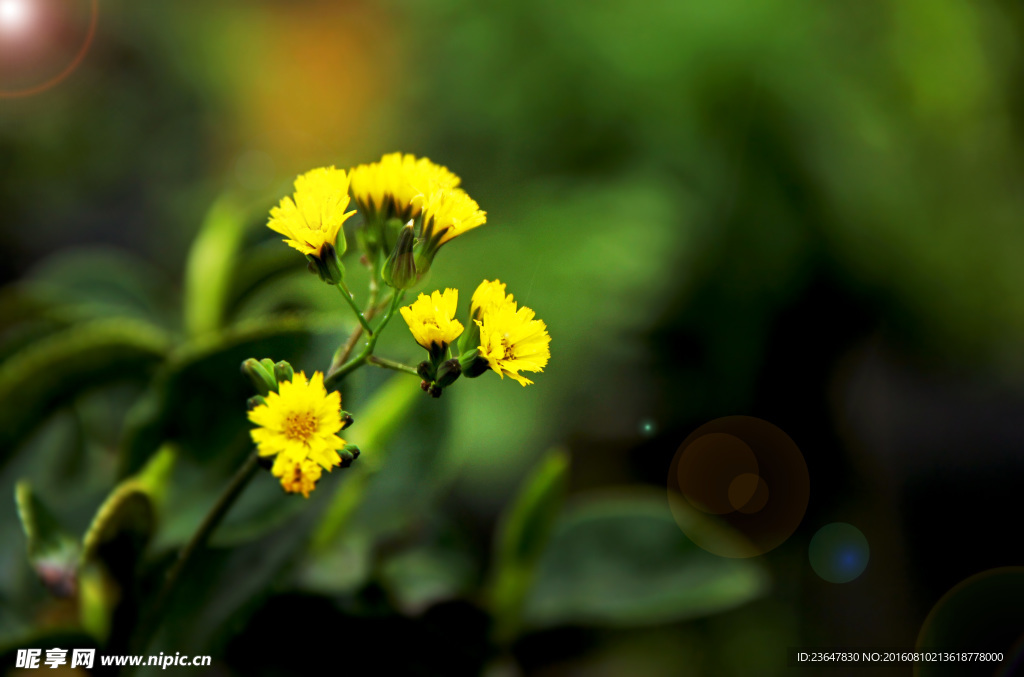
(343, 288)
(391, 364)
(198, 540)
(357, 361)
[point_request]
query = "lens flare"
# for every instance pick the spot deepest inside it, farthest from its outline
(20, 15)
(745, 473)
(14, 15)
(839, 552)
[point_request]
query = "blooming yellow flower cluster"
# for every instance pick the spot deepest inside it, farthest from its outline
(299, 424)
(508, 338)
(388, 193)
(410, 208)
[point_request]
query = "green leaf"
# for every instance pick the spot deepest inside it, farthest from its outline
(51, 551)
(522, 537)
(623, 561)
(97, 282)
(128, 510)
(47, 373)
(211, 264)
(207, 366)
(421, 577)
(375, 425)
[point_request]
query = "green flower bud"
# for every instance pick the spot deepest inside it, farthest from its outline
(473, 365)
(346, 419)
(435, 390)
(283, 371)
(448, 372)
(426, 371)
(254, 401)
(348, 454)
(261, 377)
(400, 269)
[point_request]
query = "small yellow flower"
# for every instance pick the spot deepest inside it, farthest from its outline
(431, 319)
(317, 212)
(512, 340)
(301, 477)
(387, 187)
(299, 422)
(488, 296)
(448, 213)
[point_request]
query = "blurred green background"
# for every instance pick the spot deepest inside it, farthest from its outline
(808, 212)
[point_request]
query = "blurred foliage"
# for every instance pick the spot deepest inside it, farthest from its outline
(664, 183)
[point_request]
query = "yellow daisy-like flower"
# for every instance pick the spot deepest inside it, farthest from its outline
(448, 213)
(488, 296)
(299, 422)
(314, 215)
(512, 340)
(388, 187)
(431, 319)
(301, 477)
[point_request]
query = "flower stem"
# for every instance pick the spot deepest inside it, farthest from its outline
(391, 364)
(353, 364)
(198, 540)
(343, 288)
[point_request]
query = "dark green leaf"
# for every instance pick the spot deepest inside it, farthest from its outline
(47, 373)
(624, 561)
(523, 535)
(52, 552)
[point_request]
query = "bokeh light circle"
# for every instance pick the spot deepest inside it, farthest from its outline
(984, 613)
(71, 66)
(648, 427)
(746, 473)
(839, 552)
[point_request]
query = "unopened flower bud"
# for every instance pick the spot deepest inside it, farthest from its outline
(400, 269)
(262, 378)
(346, 419)
(254, 401)
(473, 365)
(448, 372)
(348, 454)
(435, 390)
(425, 370)
(283, 371)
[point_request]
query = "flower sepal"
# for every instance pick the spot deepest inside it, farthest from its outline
(472, 363)
(348, 454)
(327, 265)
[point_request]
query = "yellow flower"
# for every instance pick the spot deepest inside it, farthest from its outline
(301, 477)
(512, 340)
(488, 296)
(431, 319)
(448, 213)
(299, 422)
(387, 188)
(317, 212)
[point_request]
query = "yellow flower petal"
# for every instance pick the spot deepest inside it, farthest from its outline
(431, 319)
(314, 215)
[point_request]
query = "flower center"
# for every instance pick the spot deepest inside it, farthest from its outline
(510, 353)
(300, 425)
